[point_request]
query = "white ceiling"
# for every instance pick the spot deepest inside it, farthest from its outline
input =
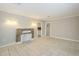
(41, 10)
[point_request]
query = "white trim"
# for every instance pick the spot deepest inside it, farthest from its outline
(10, 44)
(64, 38)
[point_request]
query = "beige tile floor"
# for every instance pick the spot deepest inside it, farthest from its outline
(42, 47)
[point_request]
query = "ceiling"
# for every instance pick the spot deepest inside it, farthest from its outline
(41, 10)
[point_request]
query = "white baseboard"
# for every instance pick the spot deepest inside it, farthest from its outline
(64, 38)
(10, 44)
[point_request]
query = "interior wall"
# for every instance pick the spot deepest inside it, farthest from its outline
(8, 32)
(66, 28)
(63, 28)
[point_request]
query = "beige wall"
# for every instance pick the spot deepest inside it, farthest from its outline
(67, 28)
(63, 28)
(8, 32)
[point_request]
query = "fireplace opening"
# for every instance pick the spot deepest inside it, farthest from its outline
(23, 35)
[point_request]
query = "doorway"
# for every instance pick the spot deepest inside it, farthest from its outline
(48, 29)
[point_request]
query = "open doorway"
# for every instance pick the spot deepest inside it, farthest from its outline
(48, 29)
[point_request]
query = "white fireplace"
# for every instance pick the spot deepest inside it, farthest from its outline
(26, 36)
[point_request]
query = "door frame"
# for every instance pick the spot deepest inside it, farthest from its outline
(46, 29)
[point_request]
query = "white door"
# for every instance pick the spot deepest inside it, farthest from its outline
(48, 29)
